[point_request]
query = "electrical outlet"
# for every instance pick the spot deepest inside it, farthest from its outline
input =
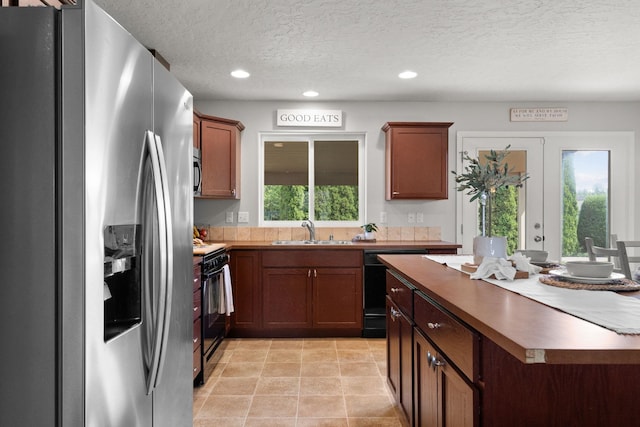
(243, 217)
(420, 217)
(411, 218)
(383, 217)
(229, 217)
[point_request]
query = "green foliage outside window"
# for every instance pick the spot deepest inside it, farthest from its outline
(336, 203)
(570, 244)
(286, 202)
(504, 218)
(290, 203)
(592, 221)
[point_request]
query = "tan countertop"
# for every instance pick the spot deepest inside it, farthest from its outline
(381, 244)
(525, 328)
(208, 247)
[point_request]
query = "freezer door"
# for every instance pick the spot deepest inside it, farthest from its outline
(119, 112)
(173, 124)
(28, 214)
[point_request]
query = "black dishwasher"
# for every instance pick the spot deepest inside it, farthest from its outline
(375, 290)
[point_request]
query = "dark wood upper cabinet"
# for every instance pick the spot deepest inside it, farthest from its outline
(416, 160)
(196, 131)
(220, 153)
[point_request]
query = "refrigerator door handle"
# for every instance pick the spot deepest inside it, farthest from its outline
(168, 266)
(155, 308)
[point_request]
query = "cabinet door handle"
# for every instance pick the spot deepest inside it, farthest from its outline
(195, 340)
(434, 325)
(436, 362)
(396, 193)
(394, 314)
(309, 273)
(433, 362)
(315, 273)
(195, 309)
(233, 192)
(395, 290)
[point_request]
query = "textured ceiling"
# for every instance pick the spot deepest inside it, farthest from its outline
(462, 50)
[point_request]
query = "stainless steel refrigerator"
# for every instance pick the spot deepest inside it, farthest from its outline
(96, 215)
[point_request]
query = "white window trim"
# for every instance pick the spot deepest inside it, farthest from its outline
(361, 137)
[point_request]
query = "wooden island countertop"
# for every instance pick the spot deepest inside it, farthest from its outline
(530, 331)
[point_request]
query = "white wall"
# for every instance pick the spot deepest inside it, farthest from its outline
(370, 116)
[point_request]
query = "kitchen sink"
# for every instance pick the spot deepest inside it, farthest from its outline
(312, 242)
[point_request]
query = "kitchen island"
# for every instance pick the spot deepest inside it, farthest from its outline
(466, 352)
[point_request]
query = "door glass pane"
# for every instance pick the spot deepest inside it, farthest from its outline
(336, 180)
(506, 207)
(286, 180)
(585, 200)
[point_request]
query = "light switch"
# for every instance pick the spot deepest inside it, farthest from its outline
(229, 217)
(411, 218)
(419, 217)
(243, 217)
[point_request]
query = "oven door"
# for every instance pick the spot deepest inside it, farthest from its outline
(213, 322)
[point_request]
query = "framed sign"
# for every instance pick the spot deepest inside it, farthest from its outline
(547, 114)
(310, 118)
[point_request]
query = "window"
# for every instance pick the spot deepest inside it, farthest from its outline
(314, 176)
(585, 200)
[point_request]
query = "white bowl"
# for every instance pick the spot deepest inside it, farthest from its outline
(589, 268)
(535, 255)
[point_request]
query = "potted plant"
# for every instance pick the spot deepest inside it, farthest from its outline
(481, 180)
(369, 229)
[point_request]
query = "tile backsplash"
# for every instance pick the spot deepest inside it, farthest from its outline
(223, 234)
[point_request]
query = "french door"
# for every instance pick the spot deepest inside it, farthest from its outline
(542, 207)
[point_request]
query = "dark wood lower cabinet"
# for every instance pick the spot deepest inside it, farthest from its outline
(337, 298)
(400, 357)
(247, 294)
(286, 296)
(442, 397)
(304, 298)
(296, 293)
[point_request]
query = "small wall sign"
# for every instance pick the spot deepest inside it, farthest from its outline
(313, 118)
(550, 114)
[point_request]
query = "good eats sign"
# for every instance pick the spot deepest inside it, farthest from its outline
(313, 118)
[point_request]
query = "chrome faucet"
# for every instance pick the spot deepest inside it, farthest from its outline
(308, 224)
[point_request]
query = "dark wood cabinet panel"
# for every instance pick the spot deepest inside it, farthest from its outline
(400, 357)
(416, 160)
(247, 289)
(287, 298)
(196, 131)
(220, 153)
(442, 396)
(337, 298)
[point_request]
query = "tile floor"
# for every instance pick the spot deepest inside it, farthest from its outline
(298, 382)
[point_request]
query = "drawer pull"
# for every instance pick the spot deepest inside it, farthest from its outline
(195, 309)
(434, 325)
(395, 290)
(195, 340)
(433, 361)
(394, 314)
(195, 369)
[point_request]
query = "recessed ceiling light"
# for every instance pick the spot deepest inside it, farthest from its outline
(407, 74)
(240, 74)
(311, 93)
